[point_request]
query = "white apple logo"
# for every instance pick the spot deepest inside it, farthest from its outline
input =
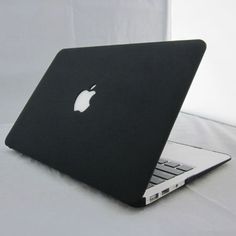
(82, 101)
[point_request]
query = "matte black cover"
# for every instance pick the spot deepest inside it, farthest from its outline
(116, 143)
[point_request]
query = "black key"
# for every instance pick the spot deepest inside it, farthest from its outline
(169, 169)
(184, 168)
(163, 174)
(172, 164)
(162, 161)
(156, 180)
(150, 185)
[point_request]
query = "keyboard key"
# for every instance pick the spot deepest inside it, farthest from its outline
(184, 168)
(156, 180)
(169, 169)
(150, 185)
(163, 174)
(172, 164)
(162, 161)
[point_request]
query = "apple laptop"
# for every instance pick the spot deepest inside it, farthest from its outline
(102, 115)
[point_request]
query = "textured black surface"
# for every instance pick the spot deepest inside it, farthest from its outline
(116, 143)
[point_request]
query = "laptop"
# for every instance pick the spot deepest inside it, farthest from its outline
(102, 115)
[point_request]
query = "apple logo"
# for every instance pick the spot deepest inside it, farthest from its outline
(82, 101)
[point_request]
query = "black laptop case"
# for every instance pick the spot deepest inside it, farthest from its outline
(115, 144)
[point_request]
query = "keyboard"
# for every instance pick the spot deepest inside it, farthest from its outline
(166, 170)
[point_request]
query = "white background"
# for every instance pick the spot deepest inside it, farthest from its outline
(213, 93)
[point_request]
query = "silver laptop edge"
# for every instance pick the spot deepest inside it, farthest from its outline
(200, 159)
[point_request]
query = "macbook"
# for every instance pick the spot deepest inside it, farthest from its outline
(102, 115)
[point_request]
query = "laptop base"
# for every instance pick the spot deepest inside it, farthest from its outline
(178, 165)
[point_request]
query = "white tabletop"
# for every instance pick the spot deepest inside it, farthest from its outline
(35, 200)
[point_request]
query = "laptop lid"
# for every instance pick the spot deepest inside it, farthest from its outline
(113, 145)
